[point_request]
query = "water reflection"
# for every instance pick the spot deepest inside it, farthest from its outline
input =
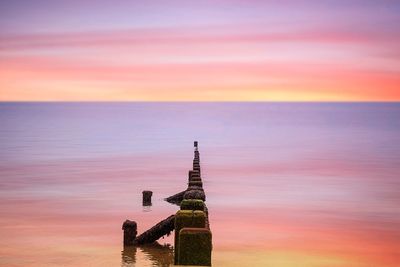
(146, 208)
(308, 184)
(159, 255)
(128, 256)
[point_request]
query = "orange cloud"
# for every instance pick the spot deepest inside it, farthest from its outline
(214, 64)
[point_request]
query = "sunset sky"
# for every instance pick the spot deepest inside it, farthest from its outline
(200, 50)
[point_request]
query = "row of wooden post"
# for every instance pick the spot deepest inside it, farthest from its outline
(193, 238)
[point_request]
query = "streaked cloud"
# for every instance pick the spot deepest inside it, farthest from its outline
(295, 51)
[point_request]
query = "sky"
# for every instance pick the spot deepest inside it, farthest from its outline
(199, 50)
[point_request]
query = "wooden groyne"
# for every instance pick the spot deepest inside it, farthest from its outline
(165, 227)
(193, 238)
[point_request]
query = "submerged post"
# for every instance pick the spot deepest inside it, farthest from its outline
(130, 232)
(147, 198)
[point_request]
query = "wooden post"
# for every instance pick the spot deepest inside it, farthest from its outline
(147, 198)
(187, 218)
(194, 194)
(130, 232)
(192, 204)
(195, 246)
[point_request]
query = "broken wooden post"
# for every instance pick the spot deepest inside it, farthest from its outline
(165, 227)
(147, 198)
(130, 231)
(176, 199)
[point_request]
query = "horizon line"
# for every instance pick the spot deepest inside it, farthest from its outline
(201, 101)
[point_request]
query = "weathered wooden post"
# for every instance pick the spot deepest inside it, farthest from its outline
(147, 198)
(192, 204)
(195, 194)
(197, 168)
(193, 174)
(130, 232)
(160, 229)
(187, 218)
(195, 245)
(198, 183)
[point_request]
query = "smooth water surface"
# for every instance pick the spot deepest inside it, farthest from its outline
(287, 184)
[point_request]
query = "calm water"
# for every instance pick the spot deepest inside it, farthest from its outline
(287, 184)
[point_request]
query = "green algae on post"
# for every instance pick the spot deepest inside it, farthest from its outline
(192, 204)
(195, 246)
(187, 218)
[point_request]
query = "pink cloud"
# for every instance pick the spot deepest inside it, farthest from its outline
(199, 35)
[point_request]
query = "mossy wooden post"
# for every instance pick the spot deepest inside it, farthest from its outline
(192, 204)
(130, 232)
(187, 218)
(195, 246)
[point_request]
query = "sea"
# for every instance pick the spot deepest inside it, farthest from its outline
(287, 184)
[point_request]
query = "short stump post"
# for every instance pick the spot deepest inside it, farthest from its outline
(130, 232)
(147, 198)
